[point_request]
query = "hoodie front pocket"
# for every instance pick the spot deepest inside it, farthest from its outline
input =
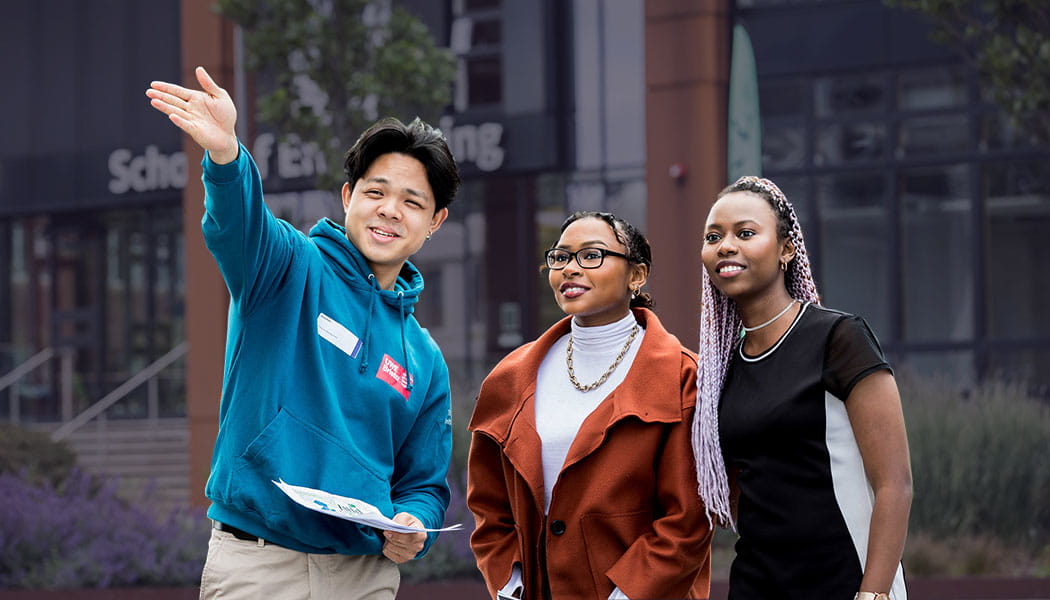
(303, 454)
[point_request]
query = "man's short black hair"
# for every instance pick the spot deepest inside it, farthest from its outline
(416, 139)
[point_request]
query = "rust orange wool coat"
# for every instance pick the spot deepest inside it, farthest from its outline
(625, 511)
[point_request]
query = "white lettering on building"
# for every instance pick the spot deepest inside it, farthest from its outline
(152, 170)
(294, 158)
(479, 144)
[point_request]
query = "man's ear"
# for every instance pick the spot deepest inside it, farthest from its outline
(347, 193)
(439, 218)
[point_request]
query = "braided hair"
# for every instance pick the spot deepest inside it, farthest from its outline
(720, 327)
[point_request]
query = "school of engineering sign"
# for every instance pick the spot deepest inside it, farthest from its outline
(480, 145)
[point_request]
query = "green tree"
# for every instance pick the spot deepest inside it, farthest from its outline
(1008, 43)
(332, 67)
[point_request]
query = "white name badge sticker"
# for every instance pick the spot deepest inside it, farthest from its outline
(335, 332)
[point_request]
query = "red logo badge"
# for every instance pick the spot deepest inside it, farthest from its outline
(394, 375)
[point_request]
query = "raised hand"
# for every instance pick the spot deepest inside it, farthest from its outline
(208, 115)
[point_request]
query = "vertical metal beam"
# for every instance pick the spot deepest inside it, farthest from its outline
(207, 40)
(687, 81)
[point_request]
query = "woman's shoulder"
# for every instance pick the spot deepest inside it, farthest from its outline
(825, 318)
(654, 330)
(834, 319)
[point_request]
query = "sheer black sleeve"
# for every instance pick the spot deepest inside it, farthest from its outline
(852, 353)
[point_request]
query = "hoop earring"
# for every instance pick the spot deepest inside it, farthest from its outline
(784, 267)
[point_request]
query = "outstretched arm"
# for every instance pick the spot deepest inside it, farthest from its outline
(207, 115)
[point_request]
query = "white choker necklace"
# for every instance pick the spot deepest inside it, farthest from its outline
(769, 322)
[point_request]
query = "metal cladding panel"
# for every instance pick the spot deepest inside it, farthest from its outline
(825, 36)
(80, 71)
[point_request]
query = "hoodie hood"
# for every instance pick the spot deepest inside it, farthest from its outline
(349, 263)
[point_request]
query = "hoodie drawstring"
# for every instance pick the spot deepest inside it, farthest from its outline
(368, 324)
(404, 344)
(368, 330)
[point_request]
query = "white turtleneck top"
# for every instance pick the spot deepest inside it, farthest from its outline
(560, 407)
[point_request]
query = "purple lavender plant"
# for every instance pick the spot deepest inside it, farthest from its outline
(80, 533)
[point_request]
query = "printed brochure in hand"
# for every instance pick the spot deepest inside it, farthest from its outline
(350, 509)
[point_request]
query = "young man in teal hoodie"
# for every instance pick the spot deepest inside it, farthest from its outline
(329, 381)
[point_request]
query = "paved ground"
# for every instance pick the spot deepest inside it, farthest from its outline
(963, 588)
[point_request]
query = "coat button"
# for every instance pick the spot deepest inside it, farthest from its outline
(558, 527)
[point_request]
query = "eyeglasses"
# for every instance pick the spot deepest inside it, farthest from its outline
(587, 258)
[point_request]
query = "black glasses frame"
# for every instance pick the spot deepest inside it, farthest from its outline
(548, 257)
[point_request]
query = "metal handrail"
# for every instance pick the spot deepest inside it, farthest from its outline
(39, 359)
(18, 372)
(120, 392)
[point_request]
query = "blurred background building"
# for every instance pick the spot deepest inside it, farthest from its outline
(925, 211)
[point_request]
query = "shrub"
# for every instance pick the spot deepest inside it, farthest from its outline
(981, 479)
(979, 461)
(964, 555)
(80, 533)
(33, 455)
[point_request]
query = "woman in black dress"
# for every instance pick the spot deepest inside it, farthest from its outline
(799, 434)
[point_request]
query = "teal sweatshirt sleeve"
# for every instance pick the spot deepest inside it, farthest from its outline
(420, 487)
(252, 248)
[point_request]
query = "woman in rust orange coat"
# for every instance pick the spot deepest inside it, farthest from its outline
(581, 475)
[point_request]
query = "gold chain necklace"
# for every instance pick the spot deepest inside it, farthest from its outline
(612, 367)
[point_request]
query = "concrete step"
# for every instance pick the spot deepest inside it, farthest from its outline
(141, 454)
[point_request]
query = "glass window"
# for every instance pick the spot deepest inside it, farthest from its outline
(783, 147)
(937, 264)
(469, 5)
(797, 191)
(486, 33)
(854, 249)
(849, 143)
(551, 211)
(1017, 209)
(999, 133)
(783, 98)
(835, 96)
(924, 136)
(955, 366)
(484, 81)
(940, 87)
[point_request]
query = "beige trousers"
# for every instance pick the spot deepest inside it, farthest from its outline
(243, 570)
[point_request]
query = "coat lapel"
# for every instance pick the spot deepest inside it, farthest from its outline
(522, 448)
(651, 392)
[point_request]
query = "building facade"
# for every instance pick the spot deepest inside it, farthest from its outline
(91, 250)
(923, 208)
(920, 200)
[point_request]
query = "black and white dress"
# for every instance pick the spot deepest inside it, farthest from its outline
(805, 503)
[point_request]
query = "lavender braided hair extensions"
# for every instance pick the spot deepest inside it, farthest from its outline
(719, 333)
(719, 323)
